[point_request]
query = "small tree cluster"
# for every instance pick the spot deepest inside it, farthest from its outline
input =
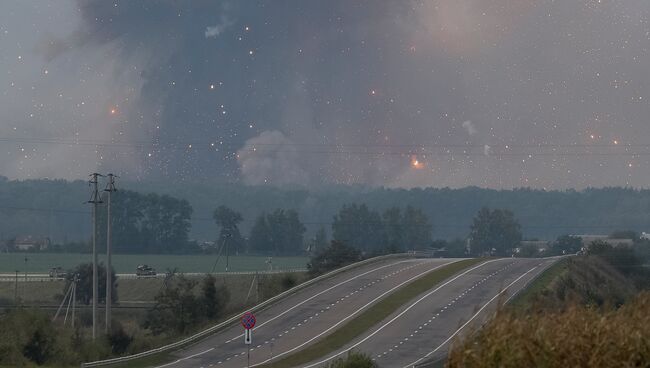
(178, 308)
(495, 232)
(371, 231)
(84, 274)
(278, 233)
(336, 255)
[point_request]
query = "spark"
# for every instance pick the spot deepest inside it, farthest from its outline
(416, 163)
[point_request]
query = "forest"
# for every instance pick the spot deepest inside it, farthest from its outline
(57, 209)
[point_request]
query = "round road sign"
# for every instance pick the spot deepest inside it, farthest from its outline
(248, 320)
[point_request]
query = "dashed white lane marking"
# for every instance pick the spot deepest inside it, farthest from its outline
(185, 358)
(442, 310)
(319, 294)
(417, 264)
(354, 313)
(401, 314)
(470, 320)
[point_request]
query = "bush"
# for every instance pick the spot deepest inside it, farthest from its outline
(335, 256)
(354, 360)
(28, 336)
(179, 309)
(119, 339)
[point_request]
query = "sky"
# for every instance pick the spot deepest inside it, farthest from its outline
(398, 93)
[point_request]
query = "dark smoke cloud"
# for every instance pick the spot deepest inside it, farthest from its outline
(398, 93)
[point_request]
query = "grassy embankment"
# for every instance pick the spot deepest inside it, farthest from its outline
(583, 312)
(60, 352)
(131, 292)
(372, 316)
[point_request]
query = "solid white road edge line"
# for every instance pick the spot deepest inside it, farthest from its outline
(352, 314)
(470, 320)
(295, 306)
(402, 313)
(323, 292)
(185, 358)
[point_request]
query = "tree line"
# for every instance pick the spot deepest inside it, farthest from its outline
(281, 231)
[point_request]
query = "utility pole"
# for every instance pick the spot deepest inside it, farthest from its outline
(110, 188)
(95, 200)
(16, 289)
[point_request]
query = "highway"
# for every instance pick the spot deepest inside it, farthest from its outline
(419, 331)
(307, 315)
(423, 329)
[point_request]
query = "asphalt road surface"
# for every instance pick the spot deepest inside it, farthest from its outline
(305, 316)
(423, 329)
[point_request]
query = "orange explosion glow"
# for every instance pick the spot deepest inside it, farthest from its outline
(416, 163)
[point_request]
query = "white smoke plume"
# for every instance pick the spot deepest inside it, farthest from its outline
(470, 127)
(487, 150)
(219, 28)
(271, 158)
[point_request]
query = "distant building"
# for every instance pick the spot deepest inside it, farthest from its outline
(30, 242)
(588, 239)
(540, 245)
(645, 236)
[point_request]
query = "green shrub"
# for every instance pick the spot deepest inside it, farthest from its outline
(354, 360)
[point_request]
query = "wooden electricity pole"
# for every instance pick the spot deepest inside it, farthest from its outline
(95, 200)
(110, 188)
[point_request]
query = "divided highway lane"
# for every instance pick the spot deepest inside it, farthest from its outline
(424, 328)
(305, 316)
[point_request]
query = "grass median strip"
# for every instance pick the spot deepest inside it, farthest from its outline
(373, 315)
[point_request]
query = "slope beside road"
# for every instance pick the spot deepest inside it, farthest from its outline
(423, 329)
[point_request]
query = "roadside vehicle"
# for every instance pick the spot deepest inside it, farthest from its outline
(57, 272)
(145, 270)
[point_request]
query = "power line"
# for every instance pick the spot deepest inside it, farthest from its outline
(113, 142)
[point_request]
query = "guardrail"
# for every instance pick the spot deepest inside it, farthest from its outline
(235, 318)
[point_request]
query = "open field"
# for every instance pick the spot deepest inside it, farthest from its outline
(141, 290)
(126, 263)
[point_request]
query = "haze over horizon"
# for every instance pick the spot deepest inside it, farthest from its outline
(397, 93)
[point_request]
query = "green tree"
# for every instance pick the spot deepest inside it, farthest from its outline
(214, 299)
(84, 274)
(177, 308)
(416, 228)
(567, 244)
(494, 232)
(354, 360)
(360, 227)
(260, 240)
(228, 220)
(335, 256)
(394, 228)
(146, 223)
(278, 233)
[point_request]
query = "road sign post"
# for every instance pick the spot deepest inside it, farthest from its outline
(248, 322)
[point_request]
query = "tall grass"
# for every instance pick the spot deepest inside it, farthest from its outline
(579, 336)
